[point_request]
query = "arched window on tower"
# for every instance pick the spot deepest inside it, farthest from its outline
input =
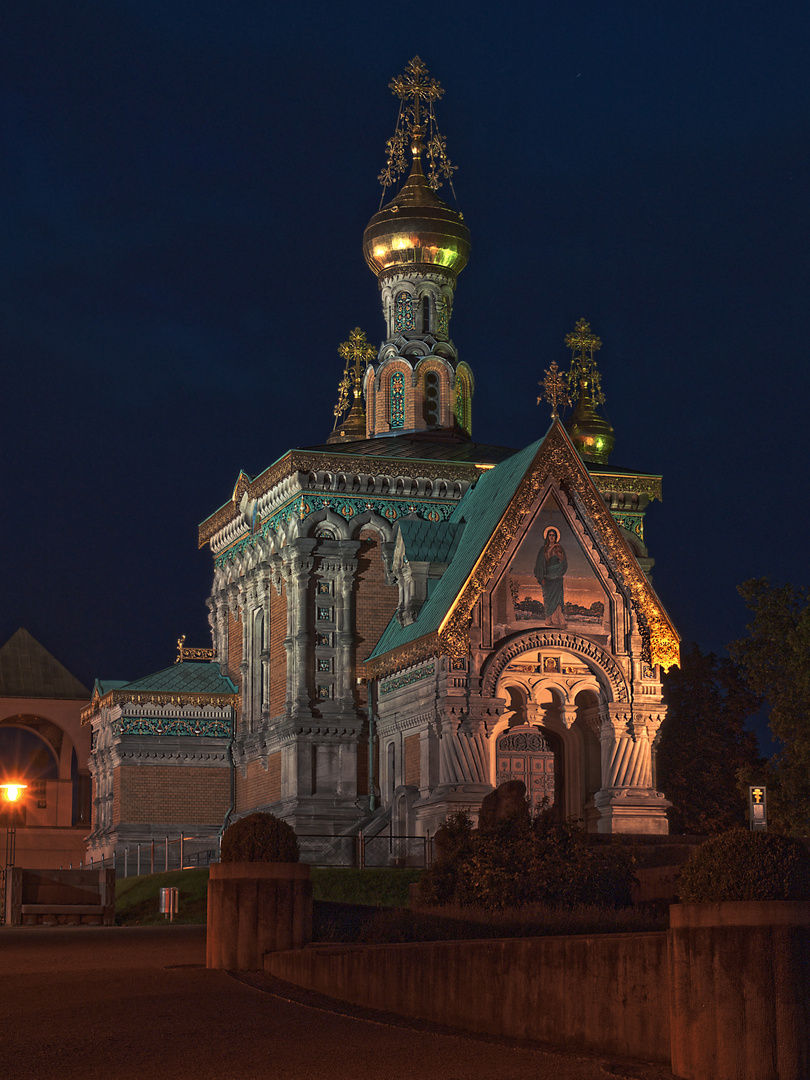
(425, 315)
(462, 404)
(441, 318)
(396, 407)
(432, 405)
(404, 318)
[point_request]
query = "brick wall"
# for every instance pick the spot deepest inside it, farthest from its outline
(278, 656)
(116, 802)
(412, 771)
(259, 786)
(375, 602)
(171, 793)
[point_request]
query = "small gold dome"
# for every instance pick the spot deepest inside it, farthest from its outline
(416, 228)
(590, 433)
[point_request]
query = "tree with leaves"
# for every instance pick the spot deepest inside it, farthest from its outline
(705, 751)
(775, 661)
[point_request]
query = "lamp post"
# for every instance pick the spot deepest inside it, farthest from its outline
(12, 800)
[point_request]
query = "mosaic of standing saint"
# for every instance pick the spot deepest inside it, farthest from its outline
(549, 570)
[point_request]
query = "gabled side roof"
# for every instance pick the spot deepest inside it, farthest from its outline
(186, 683)
(493, 511)
(186, 678)
(481, 509)
(27, 670)
(429, 541)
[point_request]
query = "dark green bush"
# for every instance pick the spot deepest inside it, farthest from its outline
(259, 838)
(518, 861)
(744, 865)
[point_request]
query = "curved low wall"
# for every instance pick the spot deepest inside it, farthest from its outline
(255, 908)
(602, 993)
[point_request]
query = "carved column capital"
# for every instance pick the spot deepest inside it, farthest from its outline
(568, 714)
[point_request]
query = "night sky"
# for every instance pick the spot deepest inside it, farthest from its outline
(184, 191)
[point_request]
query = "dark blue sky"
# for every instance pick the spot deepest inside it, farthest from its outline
(184, 190)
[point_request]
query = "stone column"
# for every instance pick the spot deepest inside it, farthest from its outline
(218, 618)
(627, 800)
(345, 635)
(464, 754)
(299, 564)
(265, 584)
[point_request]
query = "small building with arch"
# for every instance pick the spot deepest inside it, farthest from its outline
(528, 645)
(43, 744)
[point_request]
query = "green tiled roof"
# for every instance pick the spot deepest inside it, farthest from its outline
(428, 541)
(103, 685)
(187, 678)
(481, 509)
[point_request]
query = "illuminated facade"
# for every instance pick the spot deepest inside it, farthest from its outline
(403, 564)
(403, 618)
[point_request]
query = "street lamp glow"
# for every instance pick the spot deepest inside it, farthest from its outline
(12, 792)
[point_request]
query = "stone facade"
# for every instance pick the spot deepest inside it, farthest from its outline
(160, 757)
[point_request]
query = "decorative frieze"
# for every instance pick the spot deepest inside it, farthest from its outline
(407, 679)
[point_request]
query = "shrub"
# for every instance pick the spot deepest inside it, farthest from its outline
(516, 861)
(259, 838)
(744, 865)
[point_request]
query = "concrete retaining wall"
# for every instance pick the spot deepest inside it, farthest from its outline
(605, 994)
(740, 990)
(255, 908)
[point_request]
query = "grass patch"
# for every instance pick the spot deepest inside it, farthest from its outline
(452, 923)
(375, 887)
(137, 899)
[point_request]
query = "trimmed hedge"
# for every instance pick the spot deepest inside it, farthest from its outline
(259, 838)
(517, 861)
(745, 865)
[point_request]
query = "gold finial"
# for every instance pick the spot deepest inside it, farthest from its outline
(417, 92)
(555, 389)
(358, 354)
(584, 375)
(185, 652)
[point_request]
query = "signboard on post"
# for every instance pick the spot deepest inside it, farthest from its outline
(758, 809)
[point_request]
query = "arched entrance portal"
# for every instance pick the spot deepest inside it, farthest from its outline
(560, 697)
(524, 753)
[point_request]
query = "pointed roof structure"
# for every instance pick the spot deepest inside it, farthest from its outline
(492, 512)
(27, 670)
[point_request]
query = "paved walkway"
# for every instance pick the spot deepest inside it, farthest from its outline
(127, 1002)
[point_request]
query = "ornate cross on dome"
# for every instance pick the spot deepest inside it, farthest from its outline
(584, 375)
(417, 91)
(555, 390)
(358, 354)
(413, 87)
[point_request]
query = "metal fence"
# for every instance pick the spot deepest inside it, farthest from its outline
(175, 853)
(360, 851)
(157, 856)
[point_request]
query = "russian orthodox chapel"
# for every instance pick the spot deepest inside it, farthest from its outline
(403, 618)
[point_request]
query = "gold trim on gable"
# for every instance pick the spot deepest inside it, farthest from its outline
(558, 458)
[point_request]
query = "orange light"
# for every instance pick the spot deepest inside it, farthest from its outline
(12, 792)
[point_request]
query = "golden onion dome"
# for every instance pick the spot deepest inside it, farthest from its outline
(590, 433)
(416, 228)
